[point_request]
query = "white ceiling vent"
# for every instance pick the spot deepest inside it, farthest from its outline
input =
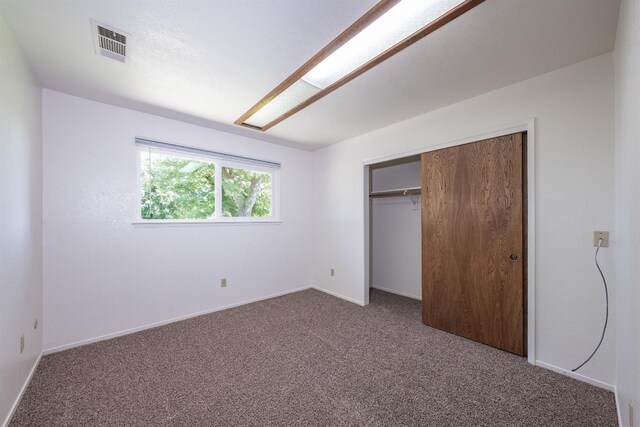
(109, 41)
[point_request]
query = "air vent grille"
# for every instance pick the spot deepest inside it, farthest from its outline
(110, 42)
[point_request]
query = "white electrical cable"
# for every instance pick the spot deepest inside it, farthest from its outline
(606, 319)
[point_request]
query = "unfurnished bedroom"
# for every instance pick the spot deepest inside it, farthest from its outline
(319, 213)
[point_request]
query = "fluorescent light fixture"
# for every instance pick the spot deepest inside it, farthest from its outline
(398, 23)
(289, 98)
(387, 28)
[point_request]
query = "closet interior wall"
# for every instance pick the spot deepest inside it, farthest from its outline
(395, 229)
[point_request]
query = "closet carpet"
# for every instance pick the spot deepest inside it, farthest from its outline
(306, 359)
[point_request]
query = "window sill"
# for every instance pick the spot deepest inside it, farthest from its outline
(181, 223)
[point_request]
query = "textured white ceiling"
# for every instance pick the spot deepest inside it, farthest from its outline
(207, 62)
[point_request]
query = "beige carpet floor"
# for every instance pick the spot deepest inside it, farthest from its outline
(305, 359)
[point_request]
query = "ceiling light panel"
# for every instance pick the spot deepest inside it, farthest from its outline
(402, 20)
(285, 101)
(389, 27)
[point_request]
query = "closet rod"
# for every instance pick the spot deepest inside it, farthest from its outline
(413, 191)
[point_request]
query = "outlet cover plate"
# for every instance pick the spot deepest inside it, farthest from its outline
(604, 235)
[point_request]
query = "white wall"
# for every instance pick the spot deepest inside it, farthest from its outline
(627, 62)
(396, 232)
(396, 176)
(574, 168)
(20, 220)
(103, 275)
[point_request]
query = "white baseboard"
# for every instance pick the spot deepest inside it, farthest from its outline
(402, 294)
(618, 410)
(22, 390)
(166, 322)
(576, 376)
(337, 295)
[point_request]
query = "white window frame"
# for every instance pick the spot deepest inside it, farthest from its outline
(219, 164)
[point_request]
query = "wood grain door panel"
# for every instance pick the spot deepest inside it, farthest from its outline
(472, 222)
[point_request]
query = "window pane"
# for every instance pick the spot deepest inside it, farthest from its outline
(246, 193)
(175, 187)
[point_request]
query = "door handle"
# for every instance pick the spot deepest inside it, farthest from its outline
(513, 257)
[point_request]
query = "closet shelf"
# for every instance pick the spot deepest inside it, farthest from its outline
(413, 191)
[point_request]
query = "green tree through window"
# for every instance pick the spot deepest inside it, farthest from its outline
(176, 188)
(245, 193)
(179, 188)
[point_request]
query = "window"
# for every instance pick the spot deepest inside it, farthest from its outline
(174, 187)
(183, 184)
(246, 193)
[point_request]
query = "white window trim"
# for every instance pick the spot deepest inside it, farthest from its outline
(217, 218)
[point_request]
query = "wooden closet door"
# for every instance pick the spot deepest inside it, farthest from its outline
(473, 241)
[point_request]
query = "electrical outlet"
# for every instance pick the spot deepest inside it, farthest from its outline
(604, 235)
(223, 282)
(35, 324)
(333, 273)
(21, 343)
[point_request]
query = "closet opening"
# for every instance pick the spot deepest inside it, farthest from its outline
(394, 233)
